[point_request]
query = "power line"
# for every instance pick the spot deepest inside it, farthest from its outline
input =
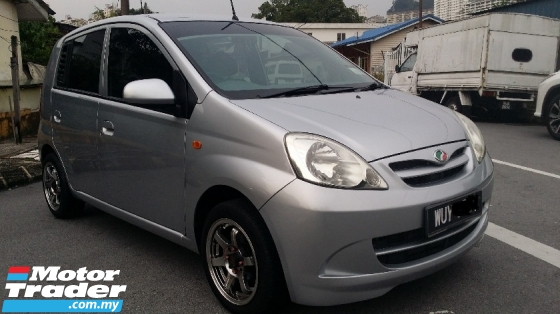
(8, 18)
(8, 30)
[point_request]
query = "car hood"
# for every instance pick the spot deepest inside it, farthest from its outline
(375, 124)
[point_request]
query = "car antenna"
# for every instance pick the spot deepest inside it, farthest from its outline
(235, 18)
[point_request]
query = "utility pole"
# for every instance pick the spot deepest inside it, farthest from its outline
(124, 7)
(420, 15)
(15, 86)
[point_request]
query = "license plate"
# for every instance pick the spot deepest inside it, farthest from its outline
(506, 105)
(444, 216)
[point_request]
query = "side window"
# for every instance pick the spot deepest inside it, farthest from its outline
(134, 56)
(82, 70)
(408, 65)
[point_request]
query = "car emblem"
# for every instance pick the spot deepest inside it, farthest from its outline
(441, 156)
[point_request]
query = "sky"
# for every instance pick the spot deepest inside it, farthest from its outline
(243, 8)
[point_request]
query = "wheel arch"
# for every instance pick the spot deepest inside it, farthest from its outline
(210, 198)
(552, 92)
(46, 149)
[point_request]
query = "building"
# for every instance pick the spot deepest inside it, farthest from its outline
(451, 10)
(397, 17)
(109, 10)
(367, 50)
(332, 32)
(547, 8)
(30, 89)
(74, 22)
(378, 19)
(361, 9)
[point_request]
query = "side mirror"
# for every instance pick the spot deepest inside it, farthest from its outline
(397, 69)
(148, 92)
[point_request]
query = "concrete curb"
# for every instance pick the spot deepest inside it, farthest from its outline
(14, 172)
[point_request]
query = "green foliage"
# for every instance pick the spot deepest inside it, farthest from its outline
(145, 10)
(409, 5)
(37, 40)
(308, 11)
(99, 14)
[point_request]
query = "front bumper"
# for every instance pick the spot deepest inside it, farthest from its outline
(324, 236)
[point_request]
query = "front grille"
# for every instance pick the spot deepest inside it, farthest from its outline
(434, 177)
(419, 252)
(426, 170)
(420, 163)
(399, 239)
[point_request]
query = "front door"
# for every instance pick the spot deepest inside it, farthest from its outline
(142, 148)
(405, 78)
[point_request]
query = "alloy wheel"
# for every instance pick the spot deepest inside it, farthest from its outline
(230, 257)
(554, 117)
(51, 185)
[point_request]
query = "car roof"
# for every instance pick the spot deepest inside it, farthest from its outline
(146, 19)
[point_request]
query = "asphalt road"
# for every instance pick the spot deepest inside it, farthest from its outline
(164, 278)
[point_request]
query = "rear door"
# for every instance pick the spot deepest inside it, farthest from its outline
(75, 98)
(142, 147)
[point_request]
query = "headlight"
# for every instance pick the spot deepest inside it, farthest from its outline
(475, 136)
(325, 162)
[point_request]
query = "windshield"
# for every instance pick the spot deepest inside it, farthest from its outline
(250, 60)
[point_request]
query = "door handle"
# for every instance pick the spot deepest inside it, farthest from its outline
(107, 128)
(57, 117)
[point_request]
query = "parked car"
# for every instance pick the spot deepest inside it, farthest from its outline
(334, 191)
(284, 72)
(548, 104)
(481, 65)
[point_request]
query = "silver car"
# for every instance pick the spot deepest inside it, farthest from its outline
(329, 189)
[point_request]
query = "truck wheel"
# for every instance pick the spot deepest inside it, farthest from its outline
(454, 103)
(240, 259)
(60, 200)
(552, 117)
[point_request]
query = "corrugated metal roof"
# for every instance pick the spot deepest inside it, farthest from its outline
(378, 33)
(547, 8)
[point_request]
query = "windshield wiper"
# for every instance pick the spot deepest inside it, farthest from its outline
(373, 86)
(313, 89)
(298, 91)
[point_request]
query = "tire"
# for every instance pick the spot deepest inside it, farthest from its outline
(551, 116)
(60, 200)
(248, 279)
(454, 103)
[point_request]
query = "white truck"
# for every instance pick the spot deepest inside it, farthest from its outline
(481, 65)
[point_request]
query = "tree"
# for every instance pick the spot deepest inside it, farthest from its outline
(308, 11)
(99, 14)
(144, 10)
(37, 40)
